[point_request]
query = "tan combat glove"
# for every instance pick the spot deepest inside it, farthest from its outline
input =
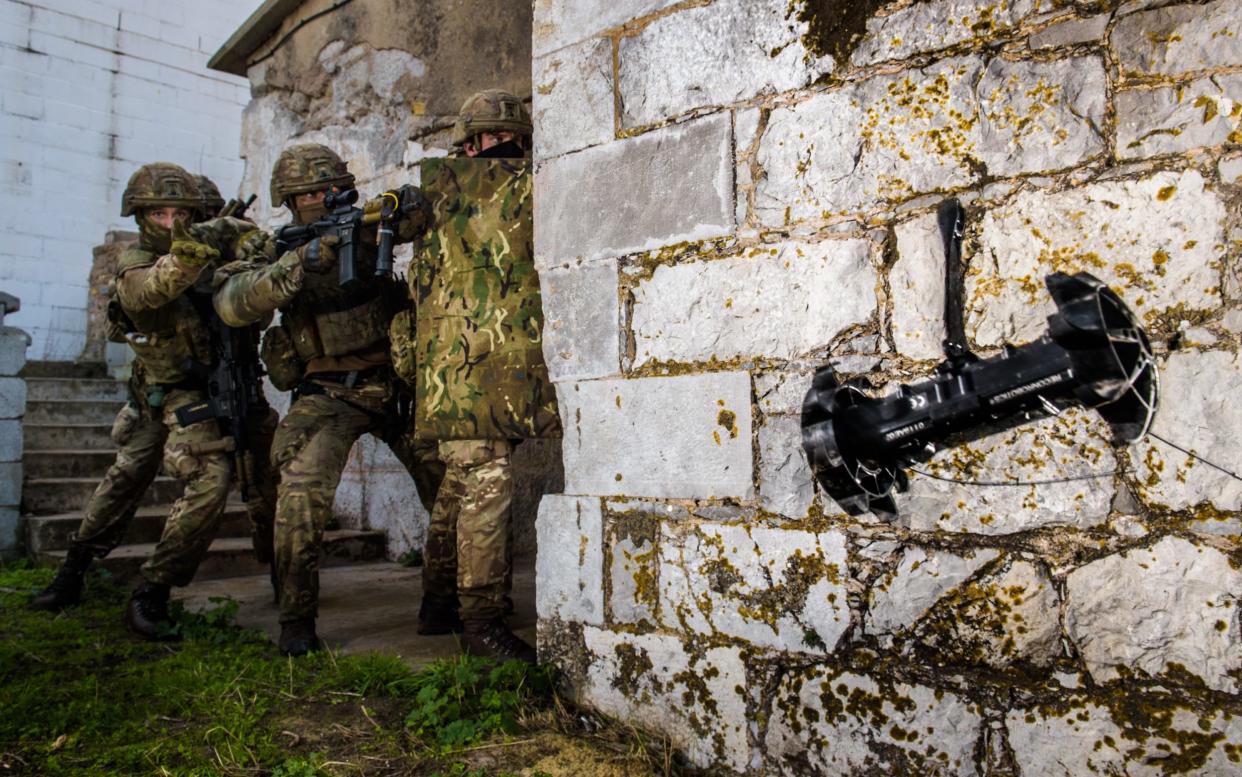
(188, 249)
(319, 255)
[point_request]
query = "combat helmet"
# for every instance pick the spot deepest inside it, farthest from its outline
(492, 110)
(308, 167)
(213, 201)
(160, 185)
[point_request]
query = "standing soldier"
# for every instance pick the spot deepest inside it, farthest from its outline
(481, 385)
(164, 289)
(332, 350)
(139, 433)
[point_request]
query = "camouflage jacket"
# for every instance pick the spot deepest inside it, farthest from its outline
(478, 331)
(326, 327)
(157, 295)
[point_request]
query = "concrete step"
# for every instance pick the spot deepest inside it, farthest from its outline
(40, 369)
(54, 532)
(72, 411)
(42, 437)
(105, 389)
(234, 557)
(51, 496)
(67, 463)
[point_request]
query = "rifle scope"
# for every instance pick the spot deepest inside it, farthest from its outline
(1095, 354)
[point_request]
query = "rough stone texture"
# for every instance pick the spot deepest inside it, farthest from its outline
(683, 438)
(1198, 413)
(573, 98)
(899, 599)
(697, 699)
(570, 561)
(1104, 229)
(940, 643)
(1231, 170)
(689, 164)
(561, 22)
(781, 589)
(1168, 608)
(827, 723)
(11, 440)
(786, 485)
(916, 289)
(1071, 32)
(633, 569)
(782, 392)
(12, 397)
(13, 345)
(1039, 116)
(778, 302)
(999, 620)
(10, 483)
(721, 53)
(1179, 39)
(1206, 112)
(1088, 738)
(938, 25)
(582, 314)
(1074, 444)
(890, 138)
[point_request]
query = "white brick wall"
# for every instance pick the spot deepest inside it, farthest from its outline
(90, 90)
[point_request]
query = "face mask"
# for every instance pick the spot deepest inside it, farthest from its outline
(310, 213)
(155, 236)
(510, 149)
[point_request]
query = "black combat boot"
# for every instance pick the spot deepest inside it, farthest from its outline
(297, 638)
(438, 615)
(65, 589)
(492, 638)
(147, 612)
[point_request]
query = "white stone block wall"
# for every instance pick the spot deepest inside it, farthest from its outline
(91, 90)
(732, 194)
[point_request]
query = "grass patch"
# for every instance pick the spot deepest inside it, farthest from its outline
(80, 695)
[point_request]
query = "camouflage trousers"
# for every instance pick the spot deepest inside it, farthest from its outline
(140, 435)
(311, 449)
(194, 454)
(468, 547)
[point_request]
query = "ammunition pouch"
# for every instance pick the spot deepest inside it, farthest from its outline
(319, 333)
(280, 359)
(166, 352)
(403, 346)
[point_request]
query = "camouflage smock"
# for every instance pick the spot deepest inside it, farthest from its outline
(479, 313)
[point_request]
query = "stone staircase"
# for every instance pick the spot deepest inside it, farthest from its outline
(69, 413)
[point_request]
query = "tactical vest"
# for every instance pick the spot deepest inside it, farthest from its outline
(327, 320)
(479, 331)
(168, 337)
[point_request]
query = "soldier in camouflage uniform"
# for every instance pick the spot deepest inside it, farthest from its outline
(164, 289)
(332, 350)
(481, 385)
(139, 434)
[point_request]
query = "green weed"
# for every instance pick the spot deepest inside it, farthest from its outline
(461, 701)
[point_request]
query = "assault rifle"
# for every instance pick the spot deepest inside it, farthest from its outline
(237, 208)
(345, 222)
(234, 393)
